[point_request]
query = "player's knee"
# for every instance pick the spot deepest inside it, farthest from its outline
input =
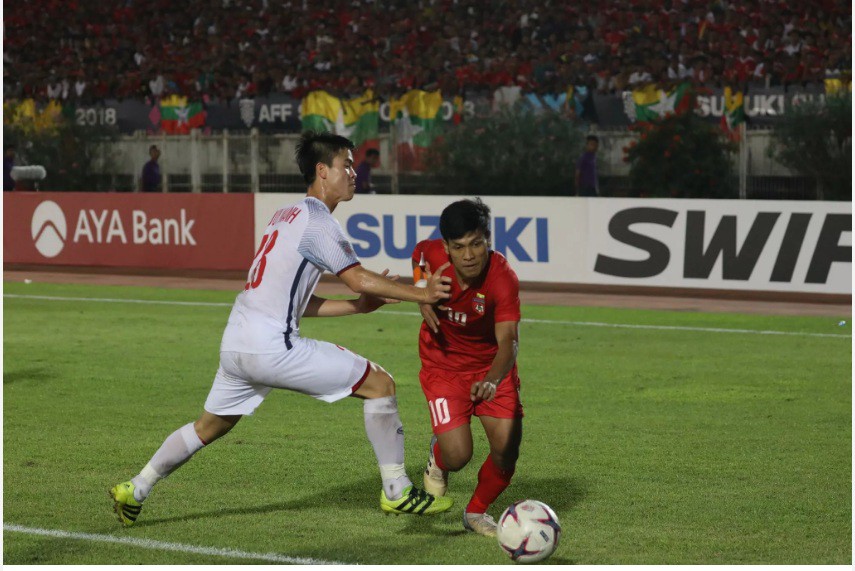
(386, 383)
(379, 384)
(455, 460)
(388, 386)
(209, 426)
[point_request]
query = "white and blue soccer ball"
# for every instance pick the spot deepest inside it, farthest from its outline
(528, 531)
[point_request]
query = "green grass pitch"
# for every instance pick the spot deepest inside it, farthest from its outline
(653, 445)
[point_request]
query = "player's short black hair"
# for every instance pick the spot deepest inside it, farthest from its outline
(464, 216)
(372, 153)
(318, 147)
(593, 138)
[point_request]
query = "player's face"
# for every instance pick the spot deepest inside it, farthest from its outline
(341, 176)
(469, 255)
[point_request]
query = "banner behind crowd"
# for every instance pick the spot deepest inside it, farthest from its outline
(418, 115)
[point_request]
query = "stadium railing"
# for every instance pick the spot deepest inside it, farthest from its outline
(257, 162)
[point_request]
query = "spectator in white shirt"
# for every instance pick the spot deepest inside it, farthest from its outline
(157, 85)
(793, 43)
(79, 88)
(290, 81)
(54, 88)
(640, 75)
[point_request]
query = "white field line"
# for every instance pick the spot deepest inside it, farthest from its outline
(659, 327)
(414, 314)
(168, 546)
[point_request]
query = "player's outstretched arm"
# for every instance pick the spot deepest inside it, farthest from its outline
(322, 307)
(507, 337)
(364, 281)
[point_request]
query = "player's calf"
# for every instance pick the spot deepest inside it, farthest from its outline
(210, 427)
(505, 460)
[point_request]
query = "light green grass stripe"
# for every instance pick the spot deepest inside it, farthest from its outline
(414, 314)
(168, 546)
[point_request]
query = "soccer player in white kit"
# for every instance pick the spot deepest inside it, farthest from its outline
(262, 348)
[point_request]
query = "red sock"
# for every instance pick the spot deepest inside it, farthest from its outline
(437, 456)
(492, 481)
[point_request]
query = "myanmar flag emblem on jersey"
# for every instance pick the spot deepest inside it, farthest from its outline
(478, 303)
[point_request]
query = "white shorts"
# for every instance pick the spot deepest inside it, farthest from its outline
(319, 369)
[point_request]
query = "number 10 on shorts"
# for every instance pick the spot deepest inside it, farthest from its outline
(439, 411)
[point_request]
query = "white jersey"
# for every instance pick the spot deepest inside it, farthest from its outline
(300, 242)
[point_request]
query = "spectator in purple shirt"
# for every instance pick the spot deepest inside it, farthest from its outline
(363, 171)
(151, 171)
(586, 169)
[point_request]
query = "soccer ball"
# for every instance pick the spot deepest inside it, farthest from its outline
(528, 531)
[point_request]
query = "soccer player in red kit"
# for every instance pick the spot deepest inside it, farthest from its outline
(468, 348)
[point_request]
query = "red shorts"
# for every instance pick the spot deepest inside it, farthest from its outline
(450, 404)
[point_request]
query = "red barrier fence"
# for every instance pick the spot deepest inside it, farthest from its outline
(212, 232)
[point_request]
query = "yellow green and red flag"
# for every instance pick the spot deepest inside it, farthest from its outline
(734, 112)
(416, 120)
(178, 116)
(357, 119)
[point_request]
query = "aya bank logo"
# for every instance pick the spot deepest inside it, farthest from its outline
(49, 229)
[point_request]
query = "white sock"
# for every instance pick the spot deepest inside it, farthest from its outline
(386, 433)
(175, 451)
(394, 486)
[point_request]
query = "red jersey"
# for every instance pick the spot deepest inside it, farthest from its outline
(466, 341)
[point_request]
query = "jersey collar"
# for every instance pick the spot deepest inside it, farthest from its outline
(319, 201)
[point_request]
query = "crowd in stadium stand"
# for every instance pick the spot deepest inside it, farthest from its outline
(89, 50)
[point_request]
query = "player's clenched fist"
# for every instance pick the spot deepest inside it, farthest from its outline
(484, 390)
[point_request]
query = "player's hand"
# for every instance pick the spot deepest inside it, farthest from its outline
(483, 390)
(430, 317)
(438, 286)
(368, 303)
